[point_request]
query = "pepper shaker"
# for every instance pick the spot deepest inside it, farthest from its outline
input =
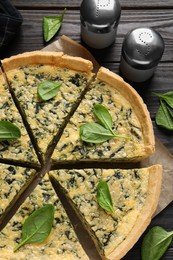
(142, 50)
(99, 22)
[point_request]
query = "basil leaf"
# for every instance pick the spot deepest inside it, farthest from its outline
(99, 133)
(155, 243)
(48, 89)
(103, 116)
(164, 116)
(8, 131)
(94, 133)
(104, 197)
(37, 226)
(167, 97)
(51, 25)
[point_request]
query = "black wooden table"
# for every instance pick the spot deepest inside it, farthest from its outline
(157, 14)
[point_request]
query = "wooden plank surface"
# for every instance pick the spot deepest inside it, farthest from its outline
(31, 38)
(157, 14)
(42, 4)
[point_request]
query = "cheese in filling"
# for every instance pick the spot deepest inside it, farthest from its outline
(13, 180)
(62, 242)
(129, 190)
(125, 122)
(46, 117)
(20, 149)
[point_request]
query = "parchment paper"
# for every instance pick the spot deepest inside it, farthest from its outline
(161, 155)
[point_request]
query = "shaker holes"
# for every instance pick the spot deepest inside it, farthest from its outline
(101, 4)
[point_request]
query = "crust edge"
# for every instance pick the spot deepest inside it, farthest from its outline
(54, 58)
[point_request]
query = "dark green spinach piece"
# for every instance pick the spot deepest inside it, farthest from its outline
(155, 243)
(51, 25)
(104, 197)
(37, 226)
(9, 131)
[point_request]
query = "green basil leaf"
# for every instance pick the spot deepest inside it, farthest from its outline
(48, 89)
(94, 133)
(37, 226)
(167, 97)
(104, 197)
(99, 133)
(51, 25)
(103, 116)
(8, 131)
(155, 243)
(164, 116)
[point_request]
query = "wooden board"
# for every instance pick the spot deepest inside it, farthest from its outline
(156, 13)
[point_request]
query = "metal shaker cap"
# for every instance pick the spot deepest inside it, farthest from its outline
(100, 16)
(143, 48)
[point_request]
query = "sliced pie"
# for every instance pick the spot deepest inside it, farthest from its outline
(53, 126)
(62, 243)
(20, 150)
(134, 193)
(130, 119)
(13, 181)
(25, 72)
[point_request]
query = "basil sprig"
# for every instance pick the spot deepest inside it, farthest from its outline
(51, 25)
(37, 226)
(155, 243)
(9, 131)
(48, 89)
(164, 115)
(94, 133)
(104, 197)
(99, 132)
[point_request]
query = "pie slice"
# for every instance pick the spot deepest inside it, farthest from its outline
(20, 150)
(13, 181)
(25, 72)
(130, 119)
(62, 242)
(134, 193)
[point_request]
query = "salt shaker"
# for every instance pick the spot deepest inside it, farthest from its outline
(99, 21)
(142, 50)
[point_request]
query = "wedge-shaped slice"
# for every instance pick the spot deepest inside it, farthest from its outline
(130, 118)
(13, 181)
(19, 150)
(26, 71)
(62, 242)
(135, 195)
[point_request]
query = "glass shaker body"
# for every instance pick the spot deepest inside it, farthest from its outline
(99, 21)
(142, 50)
